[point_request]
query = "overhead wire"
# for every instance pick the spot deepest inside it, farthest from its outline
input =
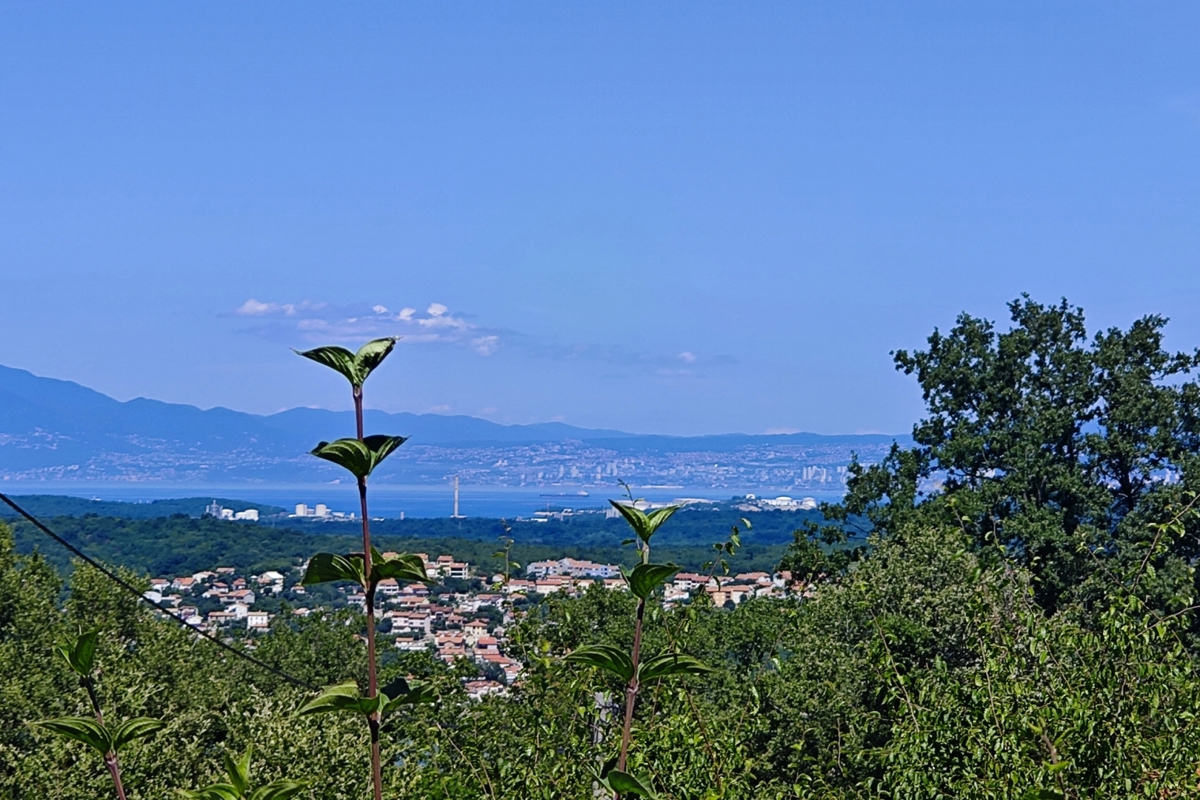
(128, 587)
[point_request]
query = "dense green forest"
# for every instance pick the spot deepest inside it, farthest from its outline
(49, 505)
(1021, 625)
(181, 545)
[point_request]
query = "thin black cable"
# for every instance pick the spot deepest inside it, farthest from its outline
(136, 593)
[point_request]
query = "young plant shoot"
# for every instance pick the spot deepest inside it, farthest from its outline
(237, 787)
(360, 456)
(107, 740)
(643, 580)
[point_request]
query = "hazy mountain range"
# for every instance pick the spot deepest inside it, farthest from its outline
(54, 429)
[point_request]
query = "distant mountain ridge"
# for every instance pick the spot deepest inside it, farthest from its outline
(58, 429)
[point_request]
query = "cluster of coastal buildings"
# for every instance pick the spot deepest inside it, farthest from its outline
(465, 619)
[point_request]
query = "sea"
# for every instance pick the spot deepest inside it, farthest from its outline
(423, 501)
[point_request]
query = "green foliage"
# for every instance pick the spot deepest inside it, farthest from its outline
(80, 653)
(668, 664)
(645, 578)
(325, 567)
(177, 546)
(1050, 444)
(727, 549)
(346, 697)
(623, 783)
(1025, 630)
(106, 740)
(356, 367)
(644, 525)
(606, 657)
(238, 787)
(359, 457)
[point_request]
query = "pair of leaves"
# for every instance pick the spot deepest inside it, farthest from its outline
(355, 366)
(102, 738)
(624, 783)
(346, 697)
(643, 524)
(80, 654)
(617, 661)
(238, 787)
(325, 567)
(645, 578)
(359, 457)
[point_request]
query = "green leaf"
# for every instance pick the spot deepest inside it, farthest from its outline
(668, 664)
(624, 783)
(334, 357)
(401, 692)
(606, 657)
(239, 771)
(80, 655)
(396, 688)
(645, 578)
(133, 729)
(279, 790)
(401, 567)
(643, 524)
(341, 697)
(81, 729)
(356, 367)
(325, 567)
(359, 458)
(371, 355)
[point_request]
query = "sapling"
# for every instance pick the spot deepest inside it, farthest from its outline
(360, 456)
(643, 580)
(107, 740)
(238, 785)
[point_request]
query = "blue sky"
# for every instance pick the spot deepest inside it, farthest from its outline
(662, 217)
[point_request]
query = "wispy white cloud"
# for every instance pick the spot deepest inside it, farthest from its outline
(314, 323)
(485, 345)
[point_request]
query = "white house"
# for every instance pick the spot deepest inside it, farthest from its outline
(258, 620)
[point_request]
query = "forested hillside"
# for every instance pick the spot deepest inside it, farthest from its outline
(181, 545)
(1021, 624)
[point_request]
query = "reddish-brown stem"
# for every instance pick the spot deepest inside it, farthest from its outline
(632, 689)
(369, 598)
(110, 758)
(110, 761)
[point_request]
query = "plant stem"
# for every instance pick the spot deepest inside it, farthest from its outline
(114, 769)
(369, 597)
(358, 411)
(632, 689)
(110, 758)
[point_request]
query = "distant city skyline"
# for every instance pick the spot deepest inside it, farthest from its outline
(658, 218)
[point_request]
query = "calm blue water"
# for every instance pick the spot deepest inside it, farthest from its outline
(385, 501)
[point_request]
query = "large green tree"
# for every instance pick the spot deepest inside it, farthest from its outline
(1063, 447)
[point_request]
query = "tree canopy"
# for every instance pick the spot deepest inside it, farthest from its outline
(1064, 448)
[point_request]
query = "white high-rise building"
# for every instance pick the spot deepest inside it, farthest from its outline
(301, 510)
